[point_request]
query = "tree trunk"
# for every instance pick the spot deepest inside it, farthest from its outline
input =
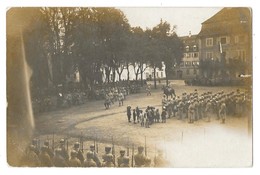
(154, 77)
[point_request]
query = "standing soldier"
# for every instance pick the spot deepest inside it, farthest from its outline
(79, 152)
(191, 112)
(128, 110)
(58, 160)
(95, 155)
(137, 113)
(120, 99)
(157, 116)
(134, 116)
(222, 111)
(107, 153)
(64, 152)
(74, 161)
(140, 158)
(120, 159)
(49, 150)
(44, 157)
(89, 162)
(208, 110)
(31, 158)
(109, 161)
(163, 115)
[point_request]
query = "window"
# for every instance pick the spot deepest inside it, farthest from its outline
(223, 40)
(188, 55)
(194, 48)
(195, 55)
(241, 54)
(209, 42)
(209, 55)
(187, 63)
(187, 48)
(195, 71)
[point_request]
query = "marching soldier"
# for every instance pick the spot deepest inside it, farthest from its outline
(89, 162)
(44, 157)
(140, 158)
(120, 159)
(79, 152)
(95, 155)
(58, 160)
(74, 161)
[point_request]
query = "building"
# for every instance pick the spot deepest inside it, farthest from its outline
(189, 66)
(226, 44)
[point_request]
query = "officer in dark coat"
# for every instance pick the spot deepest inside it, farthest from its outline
(128, 111)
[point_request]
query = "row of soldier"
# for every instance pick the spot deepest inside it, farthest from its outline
(60, 157)
(194, 106)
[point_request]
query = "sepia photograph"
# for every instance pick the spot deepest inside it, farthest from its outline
(129, 87)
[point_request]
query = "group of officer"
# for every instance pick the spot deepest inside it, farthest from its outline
(60, 157)
(207, 105)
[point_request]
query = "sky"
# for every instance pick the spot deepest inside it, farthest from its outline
(186, 19)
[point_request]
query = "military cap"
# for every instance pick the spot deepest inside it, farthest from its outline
(76, 145)
(107, 148)
(62, 141)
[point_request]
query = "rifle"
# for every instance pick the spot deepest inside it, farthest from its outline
(81, 142)
(53, 141)
(145, 149)
(113, 151)
(133, 149)
(127, 146)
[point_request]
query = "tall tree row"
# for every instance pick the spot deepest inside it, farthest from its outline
(99, 43)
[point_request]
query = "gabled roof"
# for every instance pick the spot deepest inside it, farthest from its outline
(227, 20)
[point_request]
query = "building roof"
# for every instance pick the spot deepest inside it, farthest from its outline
(227, 20)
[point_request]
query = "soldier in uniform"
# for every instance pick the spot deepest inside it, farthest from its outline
(107, 153)
(159, 160)
(121, 158)
(89, 162)
(180, 110)
(128, 110)
(125, 163)
(148, 90)
(109, 161)
(64, 152)
(74, 161)
(208, 110)
(49, 150)
(31, 159)
(79, 152)
(140, 158)
(95, 155)
(134, 116)
(222, 111)
(137, 114)
(58, 160)
(44, 157)
(157, 116)
(120, 99)
(191, 112)
(163, 115)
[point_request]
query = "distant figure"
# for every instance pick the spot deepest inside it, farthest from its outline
(128, 111)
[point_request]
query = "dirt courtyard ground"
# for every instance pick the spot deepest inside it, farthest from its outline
(202, 144)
